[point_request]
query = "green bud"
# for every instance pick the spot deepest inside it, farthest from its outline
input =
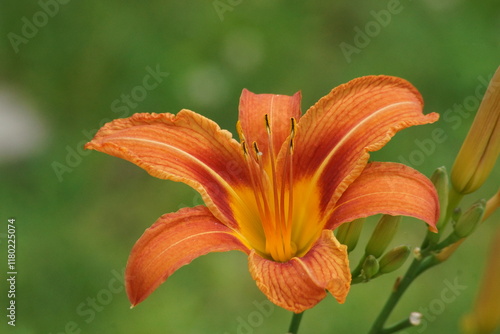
(469, 220)
(455, 216)
(348, 233)
(370, 267)
(440, 180)
(382, 235)
(394, 259)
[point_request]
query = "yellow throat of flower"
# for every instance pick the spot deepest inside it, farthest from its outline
(271, 224)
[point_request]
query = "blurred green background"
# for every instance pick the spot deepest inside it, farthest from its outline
(65, 68)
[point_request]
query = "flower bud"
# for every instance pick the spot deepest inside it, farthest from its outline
(348, 233)
(481, 147)
(456, 214)
(440, 180)
(370, 267)
(394, 259)
(485, 316)
(382, 235)
(491, 205)
(469, 220)
(446, 252)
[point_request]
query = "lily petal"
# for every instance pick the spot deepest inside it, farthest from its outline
(334, 137)
(279, 108)
(388, 188)
(186, 147)
(300, 283)
(173, 241)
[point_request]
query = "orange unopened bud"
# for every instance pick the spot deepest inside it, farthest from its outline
(492, 204)
(481, 147)
(485, 317)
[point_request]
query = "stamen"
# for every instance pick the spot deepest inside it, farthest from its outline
(272, 156)
(279, 210)
(258, 153)
(244, 147)
(252, 178)
(275, 217)
(290, 173)
(269, 224)
(260, 182)
(259, 192)
(239, 129)
(288, 180)
(268, 124)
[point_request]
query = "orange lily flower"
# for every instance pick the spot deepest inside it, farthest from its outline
(279, 193)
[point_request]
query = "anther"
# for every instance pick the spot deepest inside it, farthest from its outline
(268, 123)
(244, 146)
(256, 149)
(292, 132)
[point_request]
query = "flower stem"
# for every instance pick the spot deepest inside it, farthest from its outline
(417, 267)
(398, 290)
(397, 327)
(357, 271)
(294, 325)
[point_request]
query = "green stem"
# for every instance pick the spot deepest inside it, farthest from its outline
(451, 239)
(397, 292)
(397, 327)
(417, 267)
(294, 325)
(357, 271)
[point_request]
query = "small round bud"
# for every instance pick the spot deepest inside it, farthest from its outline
(370, 267)
(415, 318)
